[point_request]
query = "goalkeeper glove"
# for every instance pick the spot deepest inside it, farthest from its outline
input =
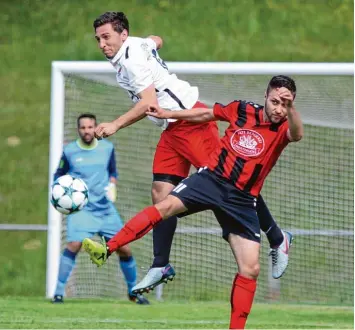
(111, 192)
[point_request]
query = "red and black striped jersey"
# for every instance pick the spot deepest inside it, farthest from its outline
(250, 147)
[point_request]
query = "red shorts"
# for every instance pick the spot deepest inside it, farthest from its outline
(184, 144)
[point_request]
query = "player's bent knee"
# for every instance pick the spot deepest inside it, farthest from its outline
(124, 251)
(74, 246)
(170, 206)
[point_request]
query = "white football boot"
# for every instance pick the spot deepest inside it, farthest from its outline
(154, 277)
(279, 255)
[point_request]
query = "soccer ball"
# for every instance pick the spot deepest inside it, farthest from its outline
(69, 194)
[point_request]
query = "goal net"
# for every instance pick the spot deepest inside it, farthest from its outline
(309, 192)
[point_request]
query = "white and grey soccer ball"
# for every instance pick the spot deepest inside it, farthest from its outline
(69, 194)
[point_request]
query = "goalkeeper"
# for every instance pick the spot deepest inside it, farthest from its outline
(94, 162)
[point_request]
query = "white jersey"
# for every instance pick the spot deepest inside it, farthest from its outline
(138, 66)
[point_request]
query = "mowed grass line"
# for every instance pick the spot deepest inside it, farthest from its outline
(38, 313)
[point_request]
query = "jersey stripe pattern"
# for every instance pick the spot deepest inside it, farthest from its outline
(250, 146)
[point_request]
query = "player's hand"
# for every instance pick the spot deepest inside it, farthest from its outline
(104, 130)
(286, 97)
(157, 112)
(111, 192)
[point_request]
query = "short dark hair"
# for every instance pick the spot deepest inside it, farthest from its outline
(85, 115)
(282, 81)
(117, 19)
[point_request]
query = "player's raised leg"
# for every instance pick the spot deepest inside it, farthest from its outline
(280, 241)
(134, 229)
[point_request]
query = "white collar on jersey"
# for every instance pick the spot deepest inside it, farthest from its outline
(119, 54)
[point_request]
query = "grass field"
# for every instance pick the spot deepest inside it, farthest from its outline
(37, 313)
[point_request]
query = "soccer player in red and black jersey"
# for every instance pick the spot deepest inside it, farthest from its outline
(144, 75)
(229, 185)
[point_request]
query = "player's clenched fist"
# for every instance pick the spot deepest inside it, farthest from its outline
(104, 130)
(156, 111)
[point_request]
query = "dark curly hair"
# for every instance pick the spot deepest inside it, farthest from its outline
(282, 81)
(117, 19)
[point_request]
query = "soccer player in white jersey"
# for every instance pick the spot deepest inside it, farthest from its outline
(94, 161)
(146, 78)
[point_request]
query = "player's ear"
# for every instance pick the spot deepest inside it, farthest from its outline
(265, 95)
(124, 34)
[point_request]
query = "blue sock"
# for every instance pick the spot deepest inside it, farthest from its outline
(67, 263)
(129, 270)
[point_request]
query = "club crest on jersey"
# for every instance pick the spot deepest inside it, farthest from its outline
(247, 142)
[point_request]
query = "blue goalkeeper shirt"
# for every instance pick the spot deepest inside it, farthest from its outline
(95, 165)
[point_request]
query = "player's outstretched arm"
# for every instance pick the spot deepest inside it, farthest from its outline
(295, 131)
(196, 115)
(147, 96)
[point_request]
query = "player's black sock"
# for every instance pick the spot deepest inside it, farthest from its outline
(268, 224)
(163, 235)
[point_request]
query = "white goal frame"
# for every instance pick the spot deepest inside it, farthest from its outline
(59, 68)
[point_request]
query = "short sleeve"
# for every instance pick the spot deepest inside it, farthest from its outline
(138, 70)
(225, 112)
(151, 43)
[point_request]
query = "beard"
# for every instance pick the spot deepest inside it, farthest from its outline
(269, 116)
(87, 139)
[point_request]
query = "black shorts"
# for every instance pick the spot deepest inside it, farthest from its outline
(234, 209)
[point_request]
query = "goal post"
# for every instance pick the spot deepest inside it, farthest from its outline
(317, 209)
(55, 151)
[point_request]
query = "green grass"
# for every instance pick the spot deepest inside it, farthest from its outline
(35, 313)
(36, 32)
